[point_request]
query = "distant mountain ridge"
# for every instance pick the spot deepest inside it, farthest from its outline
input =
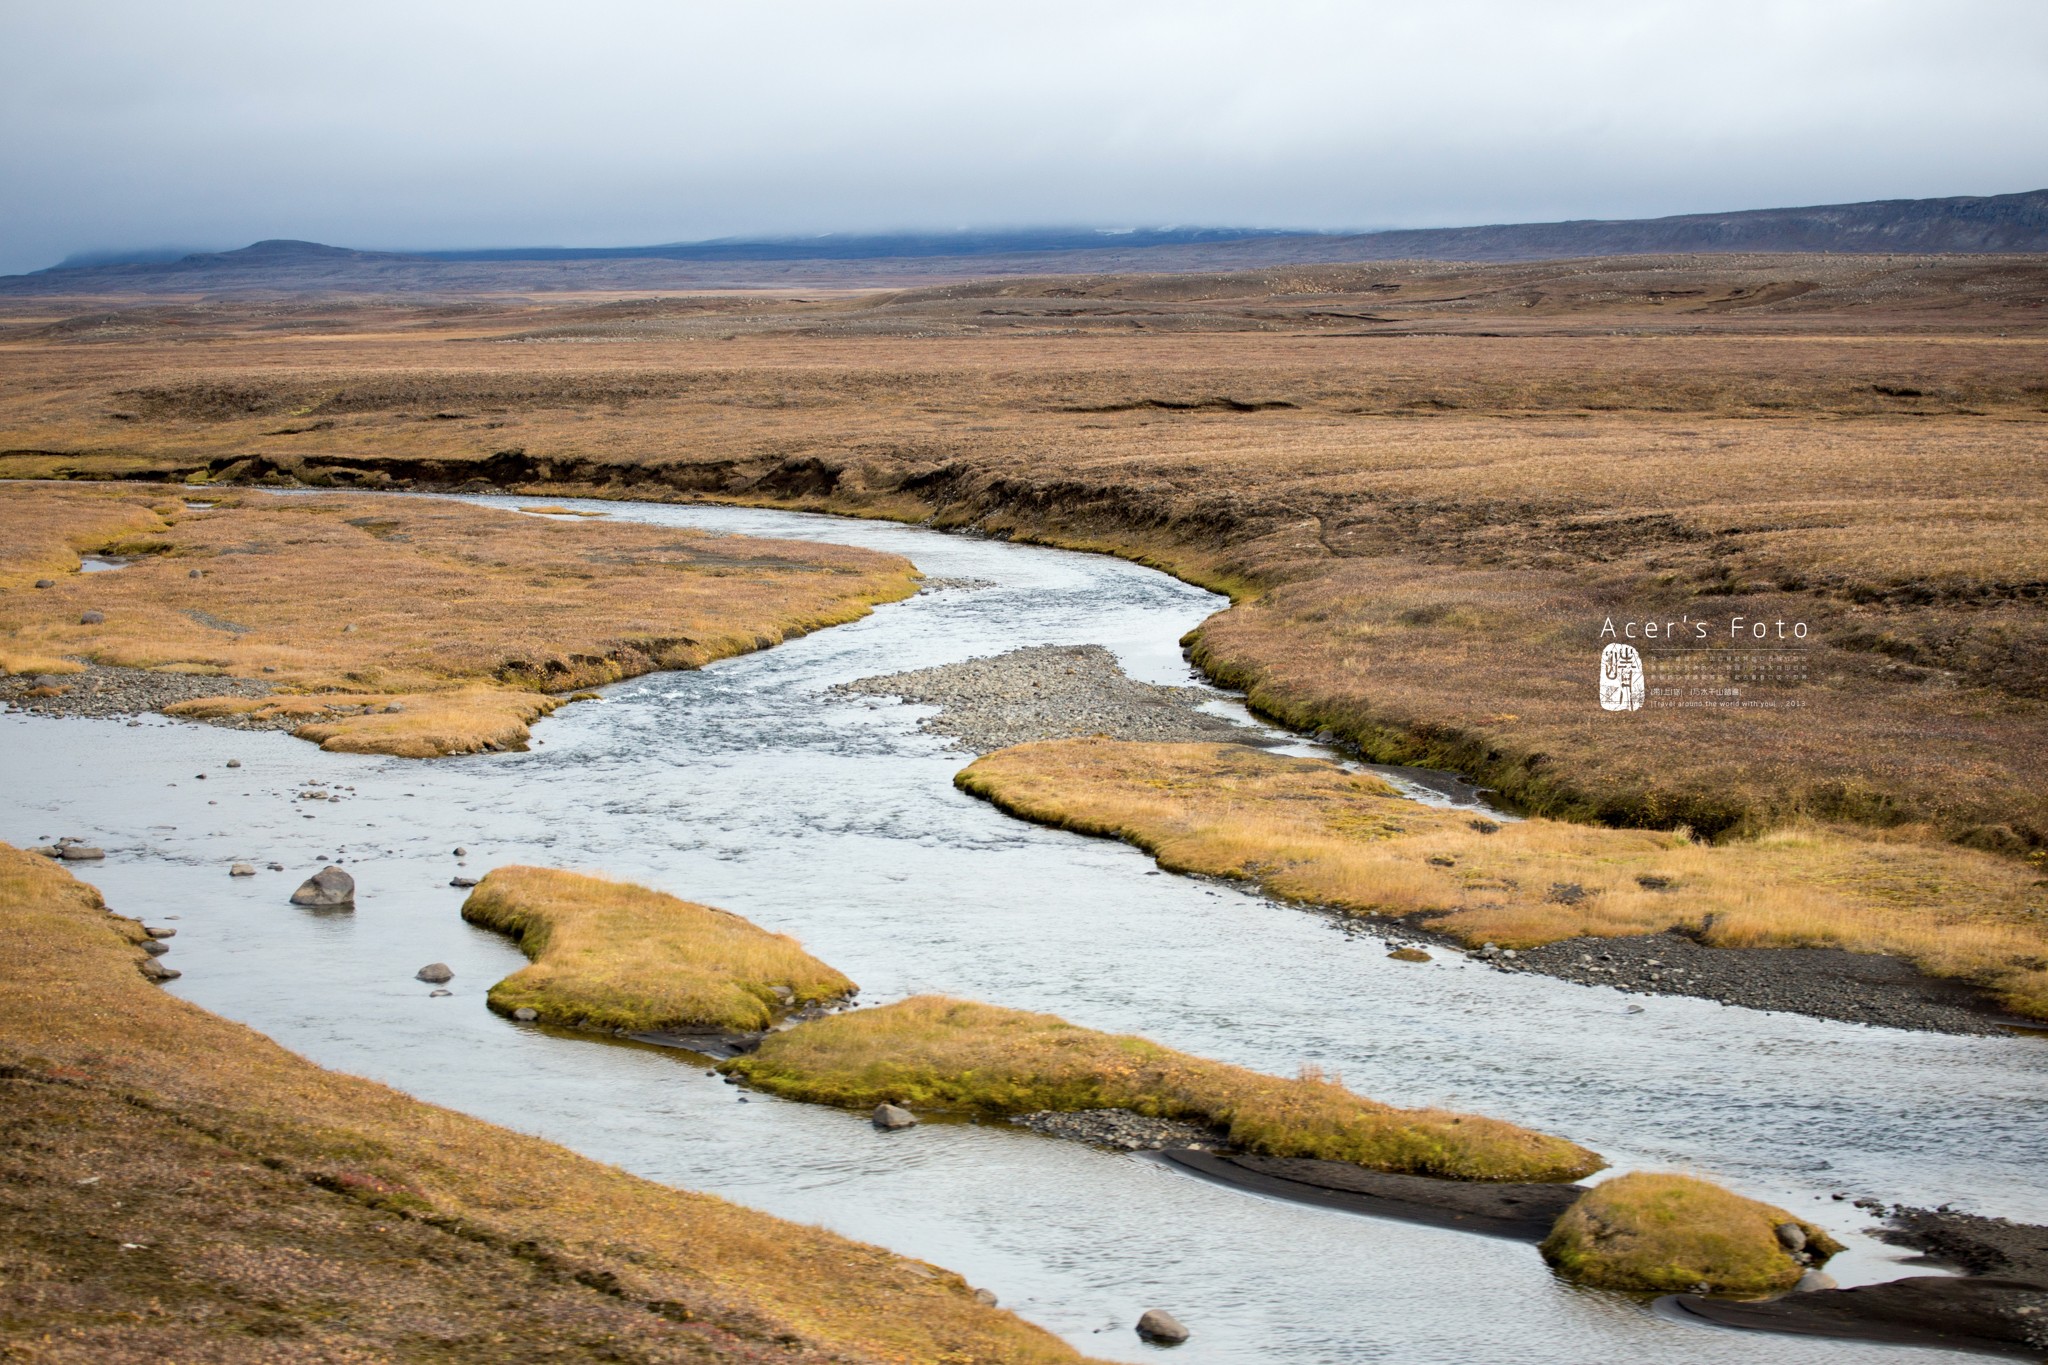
(2006, 223)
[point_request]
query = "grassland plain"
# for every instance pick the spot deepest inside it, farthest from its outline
(612, 955)
(397, 625)
(1662, 1233)
(1307, 830)
(1427, 485)
(936, 1053)
(177, 1187)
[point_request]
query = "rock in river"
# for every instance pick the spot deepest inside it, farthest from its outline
(1162, 1327)
(890, 1117)
(82, 853)
(328, 886)
(242, 870)
(434, 973)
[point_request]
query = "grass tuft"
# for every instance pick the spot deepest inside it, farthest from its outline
(1654, 1233)
(612, 955)
(933, 1053)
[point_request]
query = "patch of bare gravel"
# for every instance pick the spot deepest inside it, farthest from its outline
(1051, 692)
(107, 691)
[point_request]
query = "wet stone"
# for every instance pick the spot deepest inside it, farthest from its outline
(327, 887)
(890, 1117)
(1159, 1326)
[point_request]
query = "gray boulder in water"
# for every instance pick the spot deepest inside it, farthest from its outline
(328, 886)
(1162, 1327)
(890, 1117)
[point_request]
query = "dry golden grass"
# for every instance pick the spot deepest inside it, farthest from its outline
(1306, 830)
(1653, 1233)
(272, 1201)
(1426, 519)
(402, 626)
(930, 1052)
(612, 955)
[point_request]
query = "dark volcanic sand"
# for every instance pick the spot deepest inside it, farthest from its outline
(1524, 1212)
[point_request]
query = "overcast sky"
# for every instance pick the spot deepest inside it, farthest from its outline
(423, 124)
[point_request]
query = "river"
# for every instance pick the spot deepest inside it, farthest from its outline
(747, 785)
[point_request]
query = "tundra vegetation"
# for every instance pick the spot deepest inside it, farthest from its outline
(1428, 485)
(1658, 1233)
(935, 1053)
(180, 1188)
(397, 626)
(1307, 830)
(612, 955)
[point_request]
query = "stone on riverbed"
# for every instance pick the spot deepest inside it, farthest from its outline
(242, 870)
(890, 1117)
(82, 853)
(434, 973)
(526, 1014)
(329, 886)
(1792, 1237)
(1162, 1328)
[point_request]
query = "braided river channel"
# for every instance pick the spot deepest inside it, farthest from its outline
(750, 785)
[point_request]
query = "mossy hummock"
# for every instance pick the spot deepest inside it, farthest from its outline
(1657, 1233)
(612, 955)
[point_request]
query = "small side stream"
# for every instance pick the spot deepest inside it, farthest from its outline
(748, 785)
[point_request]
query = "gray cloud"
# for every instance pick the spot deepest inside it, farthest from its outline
(462, 124)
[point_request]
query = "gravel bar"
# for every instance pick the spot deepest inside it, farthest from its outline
(106, 691)
(1052, 692)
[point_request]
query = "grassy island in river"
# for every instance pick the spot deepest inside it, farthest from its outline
(936, 1053)
(611, 955)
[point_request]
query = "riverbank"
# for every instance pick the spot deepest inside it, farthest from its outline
(1427, 549)
(1307, 830)
(181, 1187)
(389, 626)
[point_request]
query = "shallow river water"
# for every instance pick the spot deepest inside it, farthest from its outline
(747, 785)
